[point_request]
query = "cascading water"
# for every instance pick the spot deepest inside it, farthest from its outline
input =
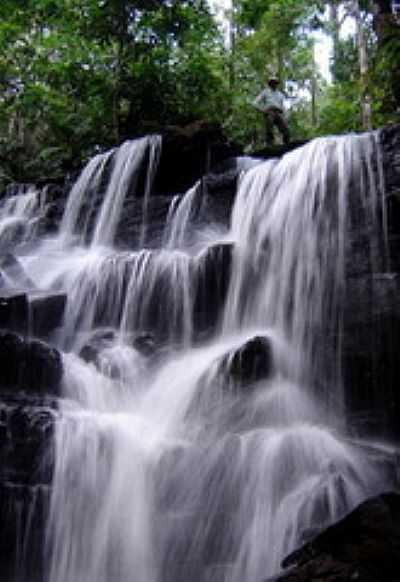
(177, 463)
(20, 213)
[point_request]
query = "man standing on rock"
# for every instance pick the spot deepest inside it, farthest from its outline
(271, 102)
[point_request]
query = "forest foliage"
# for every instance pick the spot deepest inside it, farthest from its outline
(79, 76)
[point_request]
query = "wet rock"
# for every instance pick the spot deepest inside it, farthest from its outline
(213, 270)
(370, 353)
(250, 363)
(143, 223)
(190, 152)
(46, 311)
(37, 312)
(364, 546)
(14, 311)
(145, 344)
(218, 192)
(26, 441)
(241, 369)
(23, 512)
(389, 138)
(99, 340)
(29, 365)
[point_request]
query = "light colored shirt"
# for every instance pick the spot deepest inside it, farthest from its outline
(269, 99)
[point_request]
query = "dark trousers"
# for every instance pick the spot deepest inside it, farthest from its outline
(275, 117)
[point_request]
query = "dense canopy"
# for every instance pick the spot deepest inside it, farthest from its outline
(78, 76)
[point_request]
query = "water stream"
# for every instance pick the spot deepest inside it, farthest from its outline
(167, 467)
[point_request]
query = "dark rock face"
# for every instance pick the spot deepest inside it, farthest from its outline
(35, 312)
(364, 546)
(250, 363)
(26, 469)
(26, 431)
(23, 514)
(371, 319)
(238, 371)
(189, 153)
(212, 276)
(31, 373)
(14, 311)
(390, 143)
(46, 311)
(30, 366)
(218, 196)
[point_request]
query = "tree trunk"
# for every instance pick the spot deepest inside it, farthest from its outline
(314, 89)
(232, 43)
(334, 27)
(363, 62)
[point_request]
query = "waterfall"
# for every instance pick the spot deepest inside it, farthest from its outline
(20, 213)
(289, 225)
(124, 176)
(181, 454)
(86, 186)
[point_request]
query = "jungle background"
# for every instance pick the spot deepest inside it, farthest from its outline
(80, 76)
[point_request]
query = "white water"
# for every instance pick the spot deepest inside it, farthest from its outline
(125, 175)
(165, 470)
(19, 218)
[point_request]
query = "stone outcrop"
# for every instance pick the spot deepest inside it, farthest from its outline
(250, 363)
(364, 546)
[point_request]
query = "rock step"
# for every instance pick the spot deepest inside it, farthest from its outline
(35, 311)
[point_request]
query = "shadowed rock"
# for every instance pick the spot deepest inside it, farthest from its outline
(46, 311)
(250, 363)
(29, 365)
(213, 270)
(364, 546)
(36, 312)
(14, 310)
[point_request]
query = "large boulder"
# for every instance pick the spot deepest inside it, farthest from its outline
(240, 369)
(250, 363)
(364, 546)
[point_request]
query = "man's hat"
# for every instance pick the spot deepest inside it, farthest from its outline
(273, 79)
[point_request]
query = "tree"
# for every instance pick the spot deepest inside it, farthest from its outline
(79, 75)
